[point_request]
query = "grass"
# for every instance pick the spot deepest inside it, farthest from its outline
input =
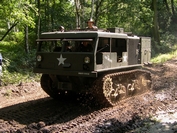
(17, 78)
(161, 58)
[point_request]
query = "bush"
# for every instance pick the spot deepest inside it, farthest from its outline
(17, 65)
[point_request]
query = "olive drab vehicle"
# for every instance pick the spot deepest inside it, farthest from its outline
(107, 62)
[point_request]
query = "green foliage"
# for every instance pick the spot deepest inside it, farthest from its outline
(56, 14)
(17, 11)
(136, 16)
(168, 44)
(17, 65)
(168, 39)
(166, 50)
(16, 37)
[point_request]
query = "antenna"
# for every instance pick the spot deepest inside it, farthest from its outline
(90, 23)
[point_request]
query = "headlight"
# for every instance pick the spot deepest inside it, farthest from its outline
(39, 58)
(87, 60)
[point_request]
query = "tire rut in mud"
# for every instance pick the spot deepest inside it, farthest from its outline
(47, 115)
(43, 112)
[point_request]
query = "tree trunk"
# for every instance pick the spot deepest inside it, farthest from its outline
(166, 4)
(48, 16)
(97, 10)
(45, 16)
(77, 5)
(155, 21)
(172, 7)
(83, 24)
(92, 10)
(52, 15)
(39, 20)
(26, 40)
(8, 31)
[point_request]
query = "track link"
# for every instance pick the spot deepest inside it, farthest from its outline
(111, 88)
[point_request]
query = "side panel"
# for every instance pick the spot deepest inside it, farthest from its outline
(110, 61)
(145, 50)
(133, 51)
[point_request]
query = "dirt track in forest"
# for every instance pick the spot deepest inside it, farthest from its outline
(26, 108)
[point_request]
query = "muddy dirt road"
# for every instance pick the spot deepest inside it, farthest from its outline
(25, 108)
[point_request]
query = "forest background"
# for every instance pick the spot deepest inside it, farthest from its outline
(22, 21)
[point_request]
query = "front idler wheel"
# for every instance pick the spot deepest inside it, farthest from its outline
(49, 86)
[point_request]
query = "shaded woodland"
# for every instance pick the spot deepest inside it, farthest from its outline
(22, 21)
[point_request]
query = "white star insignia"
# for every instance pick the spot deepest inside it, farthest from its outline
(61, 60)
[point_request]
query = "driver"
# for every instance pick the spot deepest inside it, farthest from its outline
(85, 47)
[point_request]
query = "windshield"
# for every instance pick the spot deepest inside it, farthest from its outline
(66, 45)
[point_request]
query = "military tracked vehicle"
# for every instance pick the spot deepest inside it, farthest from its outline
(111, 65)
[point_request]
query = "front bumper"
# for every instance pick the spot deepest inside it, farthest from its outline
(66, 73)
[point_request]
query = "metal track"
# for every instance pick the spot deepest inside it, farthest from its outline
(109, 89)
